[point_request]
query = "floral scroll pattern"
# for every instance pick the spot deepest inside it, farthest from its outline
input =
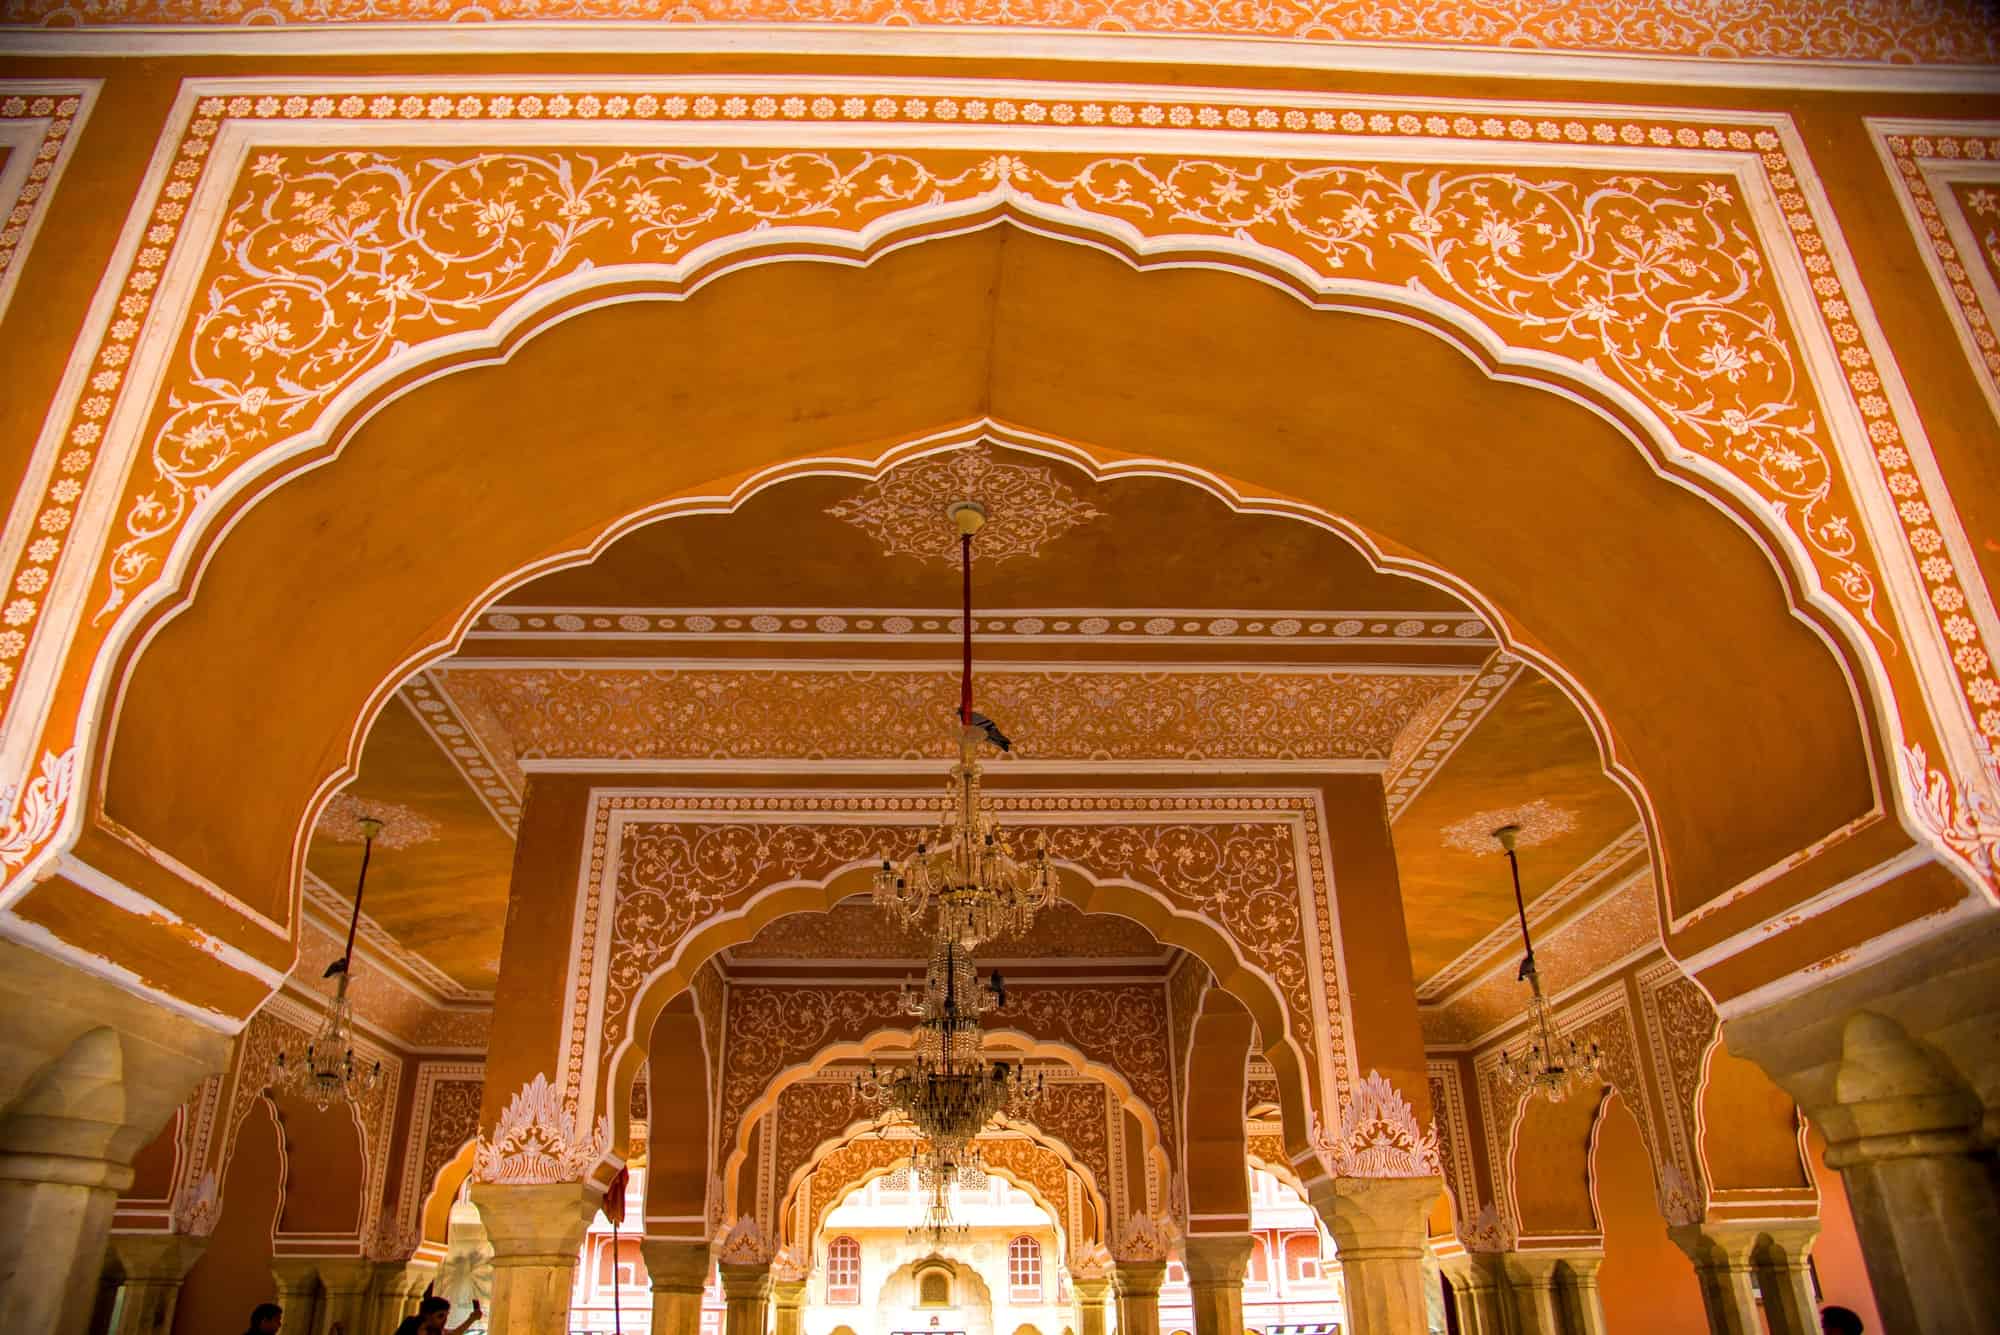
(1027, 507)
(1950, 32)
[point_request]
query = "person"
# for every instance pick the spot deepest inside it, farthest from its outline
(265, 1319)
(430, 1318)
(1839, 1321)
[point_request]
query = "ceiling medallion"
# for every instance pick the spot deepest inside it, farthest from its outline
(396, 825)
(967, 886)
(329, 1071)
(1533, 823)
(1551, 1063)
(1031, 506)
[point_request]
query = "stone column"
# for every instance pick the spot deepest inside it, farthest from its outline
(344, 1295)
(297, 1284)
(1088, 1292)
(746, 1298)
(1215, 1267)
(148, 1269)
(1475, 1288)
(1722, 1266)
(788, 1306)
(1783, 1280)
(535, 1232)
(1380, 1229)
(1582, 1301)
(679, 1274)
(393, 1292)
(1137, 1284)
(1531, 1289)
(1895, 1064)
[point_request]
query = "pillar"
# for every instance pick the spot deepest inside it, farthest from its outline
(1582, 1300)
(89, 1074)
(344, 1295)
(1475, 1290)
(679, 1273)
(1722, 1267)
(1137, 1284)
(148, 1269)
(1089, 1293)
(788, 1306)
(296, 1289)
(393, 1291)
(1215, 1268)
(1782, 1278)
(746, 1298)
(1531, 1290)
(1380, 1227)
(1895, 1065)
(535, 1232)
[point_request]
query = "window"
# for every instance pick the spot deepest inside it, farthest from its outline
(843, 1271)
(934, 1288)
(1024, 1269)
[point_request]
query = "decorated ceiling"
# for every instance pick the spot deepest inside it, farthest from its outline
(1125, 629)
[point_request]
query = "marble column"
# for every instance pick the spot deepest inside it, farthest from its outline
(1784, 1281)
(1898, 1065)
(1216, 1264)
(1380, 1229)
(535, 1232)
(296, 1282)
(746, 1298)
(1722, 1267)
(788, 1306)
(1531, 1292)
(1089, 1292)
(394, 1290)
(148, 1269)
(1582, 1300)
(679, 1274)
(344, 1295)
(1137, 1284)
(1476, 1291)
(91, 1076)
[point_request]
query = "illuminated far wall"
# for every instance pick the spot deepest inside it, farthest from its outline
(1293, 1278)
(984, 1295)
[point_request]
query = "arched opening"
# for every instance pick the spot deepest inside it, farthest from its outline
(234, 1272)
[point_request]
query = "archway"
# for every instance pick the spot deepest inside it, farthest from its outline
(1684, 795)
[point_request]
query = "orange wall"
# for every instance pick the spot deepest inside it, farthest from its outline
(1647, 1282)
(1843, 1276)
(234, 1274)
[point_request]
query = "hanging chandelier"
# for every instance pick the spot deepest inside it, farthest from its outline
(938, 1228)
(330, 1072)
(966, 870)
(949, 1092)
(1551, 1062)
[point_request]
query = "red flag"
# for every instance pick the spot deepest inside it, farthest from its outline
(614, 1198)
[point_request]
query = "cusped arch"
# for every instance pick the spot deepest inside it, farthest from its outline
(1056, 1210)
(1523, 604)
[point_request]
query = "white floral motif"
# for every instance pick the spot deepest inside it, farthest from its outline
(196, 1214)
(1962, 815)
(41, 808)
(904, 509)
(744, 1244)
(1489, 1233)
(402, 826)
(1379, 1136)
(1142, 1240)
(1539, 822)
(535, 1142)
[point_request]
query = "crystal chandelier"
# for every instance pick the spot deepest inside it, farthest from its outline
(938, 1229)
(949, 1092)
(1550, 1063)
(330, 1072)
(966, 870)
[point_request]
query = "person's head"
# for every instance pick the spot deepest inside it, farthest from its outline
(1839, 1321)
(266, 1319)
(432, 1311)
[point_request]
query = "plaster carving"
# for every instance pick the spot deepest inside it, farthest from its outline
(744, 1244)
(1379, 1136)
(402, 826)
(1489, 1233)
(1539, 821)
(721, 712)
(1141, 1240)
(1681, 1028)
(197, 1214)
(444, 1115)
(1027, 507)
(41, 808)
(535, 1141)
(1960, 812)
(1679, 1201)
(1455, 1143)
(44, 113)
(855, 929)
(1948, 33)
